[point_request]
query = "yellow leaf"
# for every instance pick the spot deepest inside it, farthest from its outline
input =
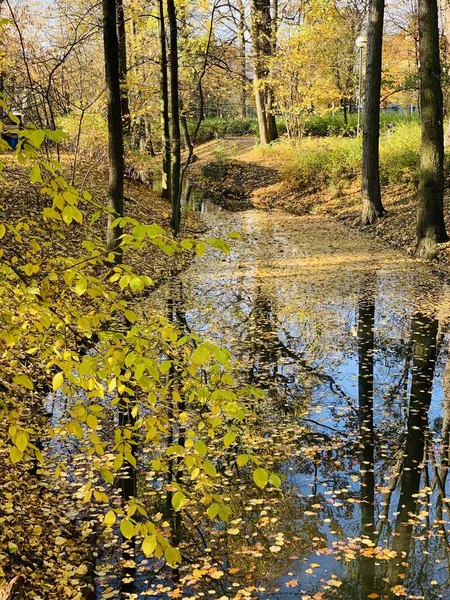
(58, 381)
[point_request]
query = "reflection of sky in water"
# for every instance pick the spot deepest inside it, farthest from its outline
(298, 282)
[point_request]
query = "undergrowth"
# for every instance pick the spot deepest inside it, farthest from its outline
(313, 162)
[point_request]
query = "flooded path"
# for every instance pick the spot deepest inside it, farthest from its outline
(349, 341)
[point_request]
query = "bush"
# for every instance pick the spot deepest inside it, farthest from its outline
(329, 161)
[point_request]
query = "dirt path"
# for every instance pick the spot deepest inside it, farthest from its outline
(244, 178)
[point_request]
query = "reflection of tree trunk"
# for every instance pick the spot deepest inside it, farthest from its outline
(445, 447)
(424, 332)
(366, 321)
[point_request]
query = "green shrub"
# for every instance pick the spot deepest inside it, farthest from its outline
(329, 161)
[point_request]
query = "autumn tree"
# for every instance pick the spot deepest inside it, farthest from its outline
(115, 126)
(430, 214)
(372, 207)
(263, 37)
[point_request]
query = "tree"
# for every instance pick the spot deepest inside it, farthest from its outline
(164, 91)
(115, 127)
(430, 208)
(372, 207)
(121, 32)
(263, 45)
(175, 191)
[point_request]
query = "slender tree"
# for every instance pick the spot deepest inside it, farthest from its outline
(262, 33)
(115, 126)
(430, 214)
(165, 121)
(175, 191)
(121, 31)
(372, 207)
(242, 57)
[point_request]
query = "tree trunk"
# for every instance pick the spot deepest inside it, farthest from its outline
(430, 214)
(446, 27)
(175, 104)
(123, 69)
(115, 127)
(243, 62)
(165, 122)
(258, 80)
(372, 207)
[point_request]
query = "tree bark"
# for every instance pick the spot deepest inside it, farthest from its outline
(115, 127)
(372, 207)
(258, 80)
(165, 121)
(121, 31)
(430, 213)
(243, 61)
(175, 191)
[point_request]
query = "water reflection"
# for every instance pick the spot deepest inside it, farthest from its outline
(332, 331)
(349, 342)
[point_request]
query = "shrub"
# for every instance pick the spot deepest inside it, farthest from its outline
(94, 134)
(315, 162)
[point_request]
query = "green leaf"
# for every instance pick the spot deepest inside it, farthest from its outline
(24, 381)
(201, 354)
(127, 528)
(92, 421)
(110, 518)
(58, 381)
(213, 511)
(229, 439)
(275, 480)
(178, 500)
(209, 468)
(21, 441)
(172, 556)
(201, 448)
(15, 454)
(242, 459)
(35, 174)
(261, 477)
(200, 249)
(81, 286)
(149, 545)
(107, 475)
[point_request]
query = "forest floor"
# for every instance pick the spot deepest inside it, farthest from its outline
(244, 178)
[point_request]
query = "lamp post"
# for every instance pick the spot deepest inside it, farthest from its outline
(361, 43)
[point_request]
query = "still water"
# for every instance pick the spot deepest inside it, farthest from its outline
(350, 342)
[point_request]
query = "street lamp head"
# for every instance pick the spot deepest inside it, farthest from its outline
(361, 41)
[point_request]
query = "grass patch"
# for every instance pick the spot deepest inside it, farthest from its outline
(330, 161)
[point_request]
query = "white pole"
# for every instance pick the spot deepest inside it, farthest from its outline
(358, 129)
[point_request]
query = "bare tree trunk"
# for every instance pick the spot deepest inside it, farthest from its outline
(258, 81)
(115, 127)
(372, 207)
(243, 60)
(430, 214)
(165, 123)
(175, 104)
(123, 69)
